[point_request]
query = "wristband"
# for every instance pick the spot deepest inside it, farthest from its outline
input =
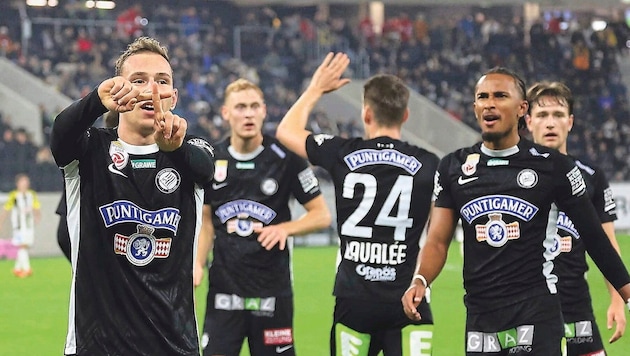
(425, 284)
(628, 303)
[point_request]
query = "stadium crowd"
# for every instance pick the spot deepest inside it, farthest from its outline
(278, 49)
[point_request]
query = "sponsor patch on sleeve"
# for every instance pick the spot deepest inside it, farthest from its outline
(308, 180)
(320, 138)
(199, 142)
(578, 187)
(437, 188)
(609, 201)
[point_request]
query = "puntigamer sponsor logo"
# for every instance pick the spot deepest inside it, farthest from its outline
(243, 208)
(366, 157)
(498, 204)
(122, 211)
(564, 223)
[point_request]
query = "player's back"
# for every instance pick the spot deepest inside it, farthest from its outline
(383, 190)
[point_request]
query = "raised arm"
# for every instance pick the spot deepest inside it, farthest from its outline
(431, 259)
(292, 129)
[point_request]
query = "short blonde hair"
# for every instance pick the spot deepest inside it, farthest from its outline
(240, 85)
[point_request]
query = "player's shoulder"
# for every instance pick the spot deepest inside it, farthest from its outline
(276, 149)
(325, 143)
(586, 166)
(533, 150)
(546, 159)
(415, 150)
(221, 147)
(102, 133)
(200, 142)
(462, 154)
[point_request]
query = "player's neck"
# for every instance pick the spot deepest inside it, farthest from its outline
(563, 149)
(501, 143)
(384, 132)
(135, 137)
(246, 145)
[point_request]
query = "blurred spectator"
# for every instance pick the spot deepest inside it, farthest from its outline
(8, 47)
(129, 22)
(8, 148)
(46, 177)
(440, 59)
(25, 152)
(191, 24)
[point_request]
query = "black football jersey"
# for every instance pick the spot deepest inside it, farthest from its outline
(250, 191)
(133, 213)
(570, 262)
(383, 190)
(504, 199)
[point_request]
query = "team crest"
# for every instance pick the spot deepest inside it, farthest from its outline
(496, 232)
(119, 156)
(167, 180)
(470, 166)
(527, 178)
(269, 186)
(142, 247)
(220, 170)
(243, 226)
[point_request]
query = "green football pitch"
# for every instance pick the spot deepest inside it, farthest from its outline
(33, 311)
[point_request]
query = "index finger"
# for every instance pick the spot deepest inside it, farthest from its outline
(155, 97)
(157, 106)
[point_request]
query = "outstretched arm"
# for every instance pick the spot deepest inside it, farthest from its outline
(617, 310)
(292, 129)
(317, 217)
(431, 258)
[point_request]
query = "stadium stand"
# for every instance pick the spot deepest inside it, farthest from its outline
(438, 53)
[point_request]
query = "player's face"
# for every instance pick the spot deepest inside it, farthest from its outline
(142, 70)
(549, 122)
(23, 184)
(498, 106)
(245, 111)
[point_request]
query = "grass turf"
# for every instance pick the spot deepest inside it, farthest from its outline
(33, 311)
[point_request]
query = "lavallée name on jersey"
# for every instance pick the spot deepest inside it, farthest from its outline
(376, 253)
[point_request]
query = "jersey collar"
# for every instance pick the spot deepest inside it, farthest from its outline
(245, 156)
(499, 153)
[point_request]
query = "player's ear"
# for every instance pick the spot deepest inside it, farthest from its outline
(405, 115)
(368, 114)
(224, 112)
